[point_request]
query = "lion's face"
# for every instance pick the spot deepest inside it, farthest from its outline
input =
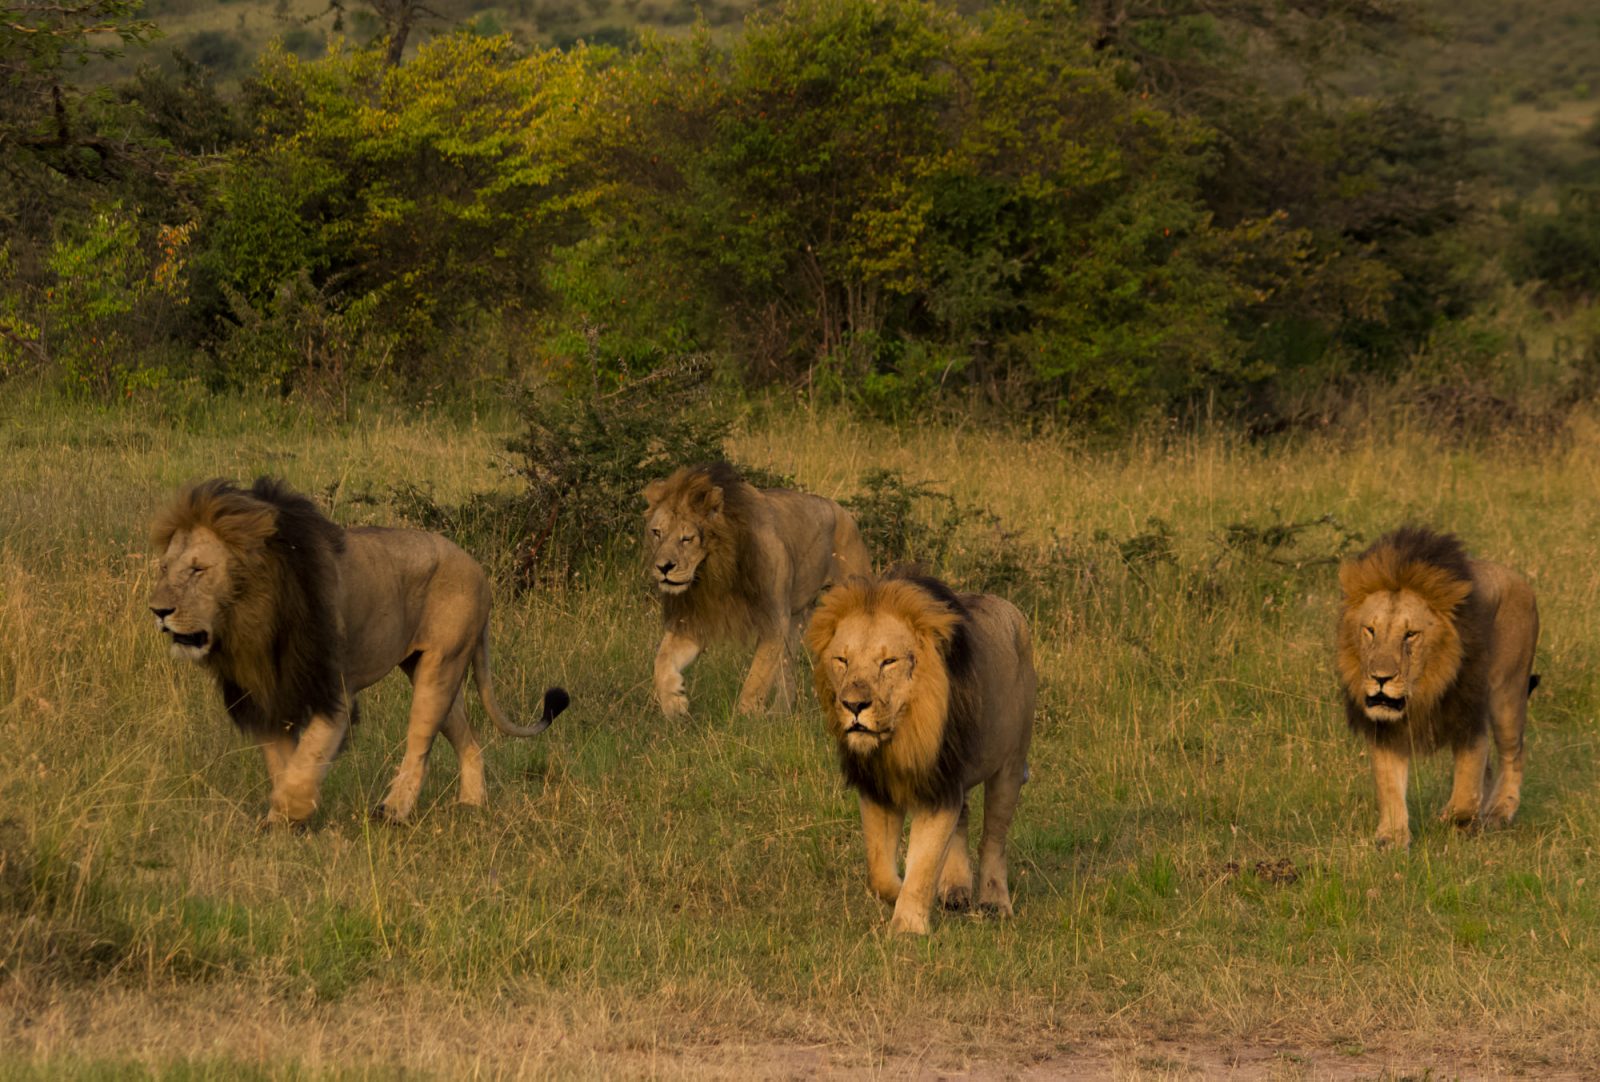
(676, 533)
(191, 591)
(1398, 637)
(871, 668)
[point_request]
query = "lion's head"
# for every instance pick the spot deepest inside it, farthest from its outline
(246, 588)
(880, 650)
(697, 535)
(681, 526)
(210, 540)
(1400, 643)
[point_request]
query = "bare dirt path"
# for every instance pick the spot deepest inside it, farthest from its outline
(422, 1034)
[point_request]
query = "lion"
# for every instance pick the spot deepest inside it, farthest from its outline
(732, 561)
(927, 694)
(293, 615)
(1434, 649)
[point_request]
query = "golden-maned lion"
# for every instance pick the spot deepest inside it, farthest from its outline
(735, 561)
(294, 615)
(928, 694)
(1435, 648)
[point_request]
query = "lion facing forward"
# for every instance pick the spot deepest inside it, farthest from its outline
(927, 694)
(732, 561)
(293, 615)
(1436, 649)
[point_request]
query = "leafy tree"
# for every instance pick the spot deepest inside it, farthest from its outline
(429, 192)
(891, 199)
(48, 127)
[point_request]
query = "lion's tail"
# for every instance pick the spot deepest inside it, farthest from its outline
(555, 699)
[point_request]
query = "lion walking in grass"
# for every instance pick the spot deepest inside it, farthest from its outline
(293, 615)
(1436, 649)
(732, 561)
(928, 694)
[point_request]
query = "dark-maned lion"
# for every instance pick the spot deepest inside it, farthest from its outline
(928, 694)
(736, 562)
(293, 615)
(1436, 649)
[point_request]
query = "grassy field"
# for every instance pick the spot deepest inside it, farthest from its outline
(1194, 882)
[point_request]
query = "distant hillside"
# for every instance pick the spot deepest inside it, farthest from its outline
(226, 36)
(1529, 69)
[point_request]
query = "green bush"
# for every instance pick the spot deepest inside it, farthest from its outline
(889, 202)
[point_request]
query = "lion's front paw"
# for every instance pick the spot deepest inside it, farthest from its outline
(274, 821)
(1461, 815)
(1393, 838)
(908, 923)
(385, 812)
(675, 705)
(956, 898)
(994, 898)
(887, 890)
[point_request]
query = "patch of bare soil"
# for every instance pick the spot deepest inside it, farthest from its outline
(425, 1034)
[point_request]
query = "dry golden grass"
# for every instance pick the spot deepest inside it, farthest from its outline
(686, 899)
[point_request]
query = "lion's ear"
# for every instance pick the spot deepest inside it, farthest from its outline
(937, 626)
(819, 632)
(709, 502)
(1446, 598)
(654, 491)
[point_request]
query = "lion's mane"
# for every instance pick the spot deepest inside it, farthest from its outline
(278, 643)
(924, 764)
(1447, 701)
(726, 599)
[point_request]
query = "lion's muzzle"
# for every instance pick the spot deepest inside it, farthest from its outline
(1381, 707)
(667, 583)
(189, 644)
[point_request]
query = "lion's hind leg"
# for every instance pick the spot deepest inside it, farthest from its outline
(469, 754)
(1509, 720)
(955, 879)
(435, 689)
(1000, 796)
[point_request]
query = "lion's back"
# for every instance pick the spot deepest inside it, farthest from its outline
(808, 526)
(398, 584)
(1006, 683)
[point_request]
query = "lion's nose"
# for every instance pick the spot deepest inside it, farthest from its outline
(855, 706)
(161, 614)
(665, 568)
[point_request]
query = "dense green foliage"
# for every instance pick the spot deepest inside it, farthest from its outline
(1100, 212)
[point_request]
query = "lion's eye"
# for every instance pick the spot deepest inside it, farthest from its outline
(1410, 635)
(655, 533)
(1367, 631)
(196, 569)
(886, 662)
(841, 662)
(686, 538)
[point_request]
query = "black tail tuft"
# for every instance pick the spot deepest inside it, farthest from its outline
(555, 701)
(1533, 682)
